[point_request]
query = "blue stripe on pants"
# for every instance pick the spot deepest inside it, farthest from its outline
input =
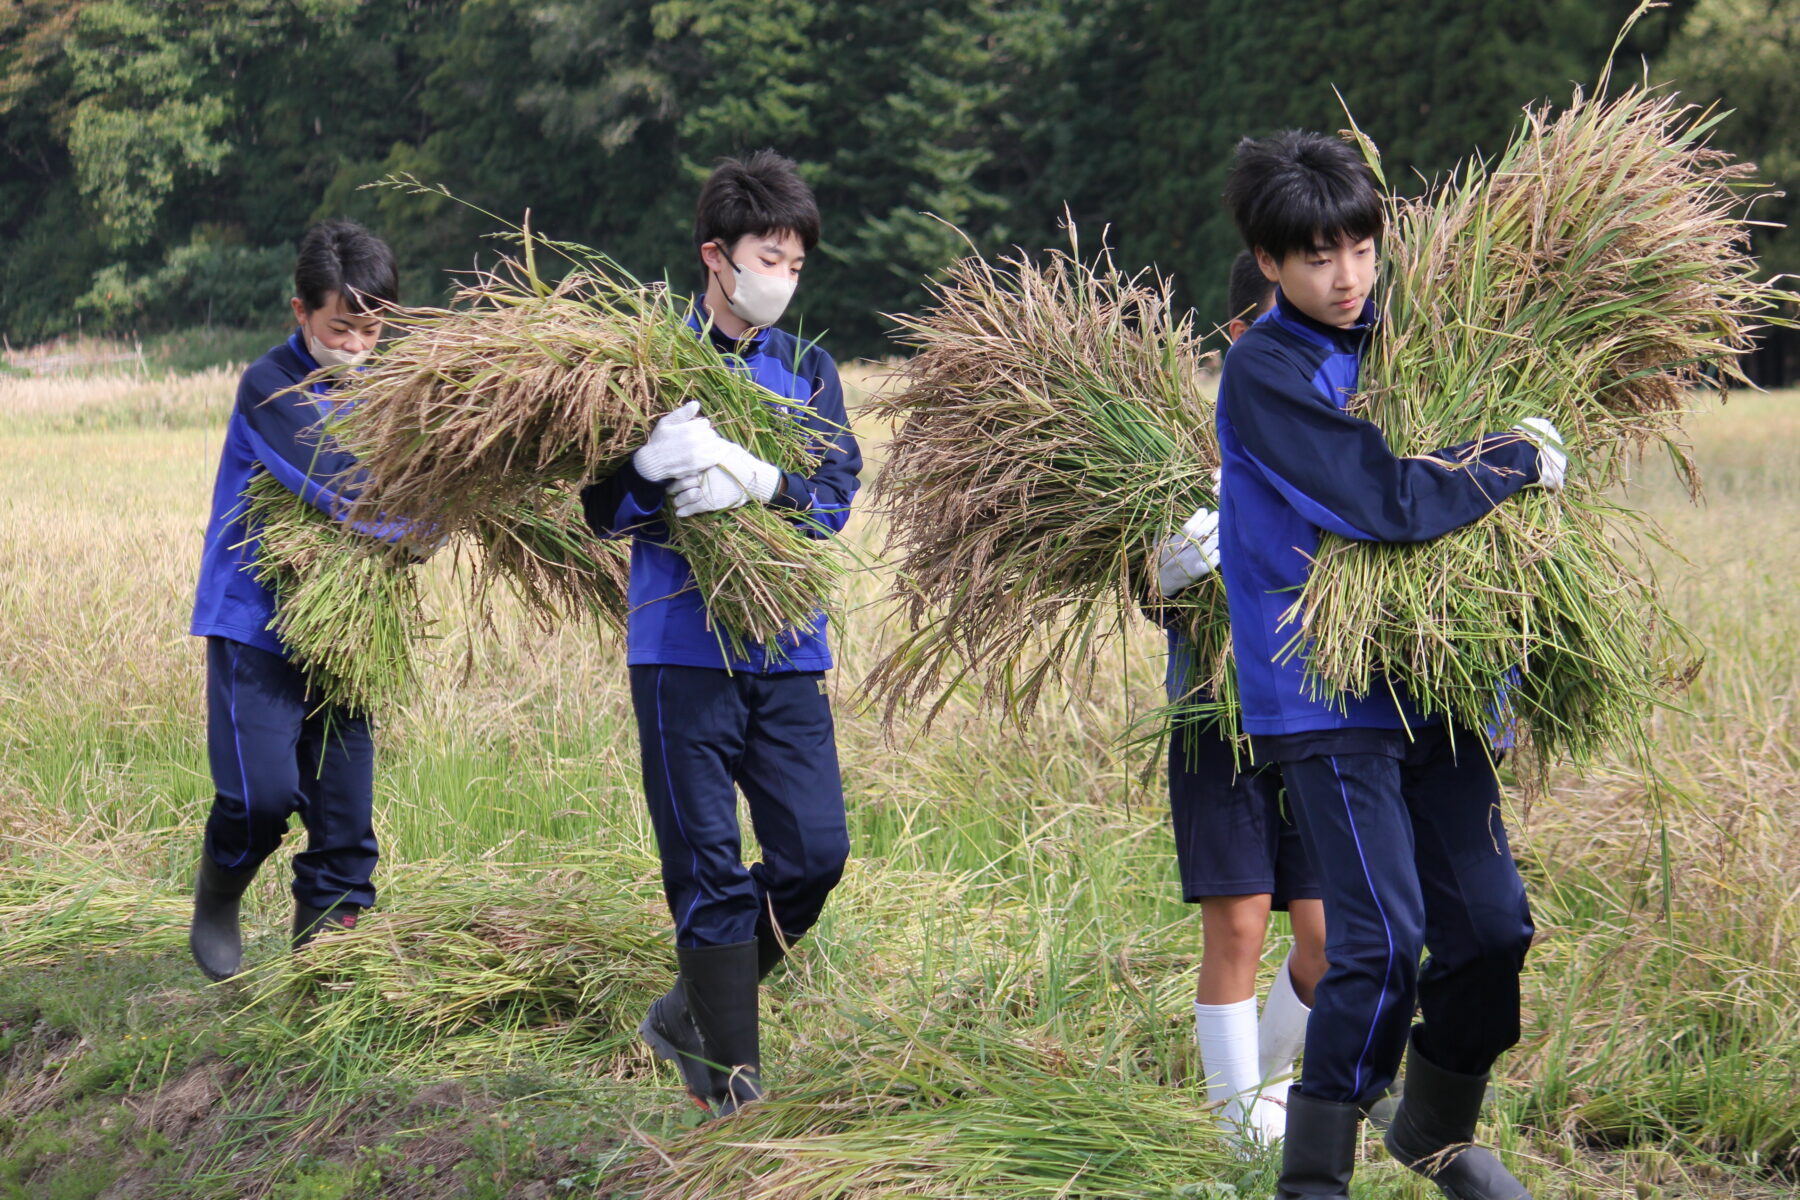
(272, 756)
(1413, 856)
(704, 733)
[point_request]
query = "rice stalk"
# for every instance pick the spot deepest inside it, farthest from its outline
(1595, 273)
(1051, 432)
(347, 605)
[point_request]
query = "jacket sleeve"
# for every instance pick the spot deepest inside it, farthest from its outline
(1337, 471)
(623, 503)
(284, 429)
(821, 500)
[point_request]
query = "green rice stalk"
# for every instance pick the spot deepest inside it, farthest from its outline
(465, 420)
(1594, 274)
(1051, 432)
(346, 605)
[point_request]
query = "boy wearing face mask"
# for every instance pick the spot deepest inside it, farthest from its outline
(272, 749)
(711, 721)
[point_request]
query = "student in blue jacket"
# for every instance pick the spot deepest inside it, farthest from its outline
(273, 750)
(711, 721)
(1239, 854)
(1400, 814)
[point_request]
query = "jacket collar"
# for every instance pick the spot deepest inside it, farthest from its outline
(297, 343)
(1347, 338)
(700, 320)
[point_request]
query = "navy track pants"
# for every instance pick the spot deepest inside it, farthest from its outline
(1413, 855)
(273, 756)
(702, 734)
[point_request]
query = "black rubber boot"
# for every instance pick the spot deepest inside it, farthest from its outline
(668, 1028)
(1434, 1127)
(769, 953)
(1318, 1152)
(721, 987)
(214, 937)
(310, 922)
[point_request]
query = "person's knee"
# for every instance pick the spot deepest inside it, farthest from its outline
(810, 868)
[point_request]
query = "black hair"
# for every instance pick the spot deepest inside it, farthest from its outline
(1248, 292)
(1301, 191)
(760, 194)
(343, 257)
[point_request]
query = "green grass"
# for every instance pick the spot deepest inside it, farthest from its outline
(994, 1004)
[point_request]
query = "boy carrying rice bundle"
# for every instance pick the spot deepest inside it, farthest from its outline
(275, 747)
(1593, 273)
(713, 718)
(1399, 813)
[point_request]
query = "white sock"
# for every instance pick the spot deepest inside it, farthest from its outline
(1227, 1037)
(1280, 1035)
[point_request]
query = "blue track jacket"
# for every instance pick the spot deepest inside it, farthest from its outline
(276, 429)
(1296, 465)
(668, 626)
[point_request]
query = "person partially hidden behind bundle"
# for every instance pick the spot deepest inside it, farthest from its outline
(1400, 814)
(1238, 852)
(711, 720)
(274, 751)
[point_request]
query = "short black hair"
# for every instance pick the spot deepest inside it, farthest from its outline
(1248, 290)
(343, 257)
(1301, 191)
(760, 194)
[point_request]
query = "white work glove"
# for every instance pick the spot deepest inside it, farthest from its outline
(738, 478)
(682, 443)
(1553, 460)
(1189, 556)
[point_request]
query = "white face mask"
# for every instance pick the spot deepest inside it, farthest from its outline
(325, 356)
(760, 299)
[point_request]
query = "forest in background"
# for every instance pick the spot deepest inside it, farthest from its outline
(159, 158)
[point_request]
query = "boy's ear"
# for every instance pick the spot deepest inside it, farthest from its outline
(1266, 263)
(714, 258)
(1234, 328)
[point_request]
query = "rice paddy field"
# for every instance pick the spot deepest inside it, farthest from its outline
(996, 1003)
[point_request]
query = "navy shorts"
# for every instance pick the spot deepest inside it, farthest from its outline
(1234, 835)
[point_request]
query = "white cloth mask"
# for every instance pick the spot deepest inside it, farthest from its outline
(760, 299)
(325, 356)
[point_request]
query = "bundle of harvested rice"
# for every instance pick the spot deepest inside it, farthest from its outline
(555, 565)
(1051, 433)
(1593, 274)
(466, 419)
(346, 604)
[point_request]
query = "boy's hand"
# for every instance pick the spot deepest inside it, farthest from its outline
(1189, 556)
(736, 479)
(682, 443)
(1553, 460)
